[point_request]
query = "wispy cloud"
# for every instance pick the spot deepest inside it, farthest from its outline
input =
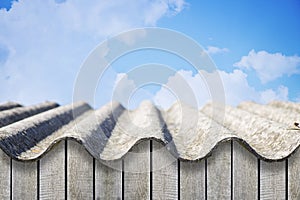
(216, 50)
(270, 66)
(44, 42)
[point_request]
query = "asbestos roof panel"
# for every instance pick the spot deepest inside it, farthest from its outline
(9, 105)
(18, 113)
(269, 131)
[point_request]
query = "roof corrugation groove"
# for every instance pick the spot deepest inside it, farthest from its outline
(18, 113)
(9, 105)
(110, 132)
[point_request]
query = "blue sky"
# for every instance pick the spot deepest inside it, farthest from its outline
(241, 26)
(254, 44)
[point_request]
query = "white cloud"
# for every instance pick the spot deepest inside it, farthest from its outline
(216, 50)
(123, 89)
(127, 93)
(48, 41)
(270, 66)
(187, 88)
(236, 89)
(297, 99)
(280, 94)
(130, 39)
(159, 8)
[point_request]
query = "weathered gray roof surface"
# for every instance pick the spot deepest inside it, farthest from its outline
(108, 133)
(9, 105)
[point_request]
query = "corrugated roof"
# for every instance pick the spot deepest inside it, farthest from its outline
(9, 105)
(108, 133)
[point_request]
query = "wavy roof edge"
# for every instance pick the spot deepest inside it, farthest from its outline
(268, 131)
